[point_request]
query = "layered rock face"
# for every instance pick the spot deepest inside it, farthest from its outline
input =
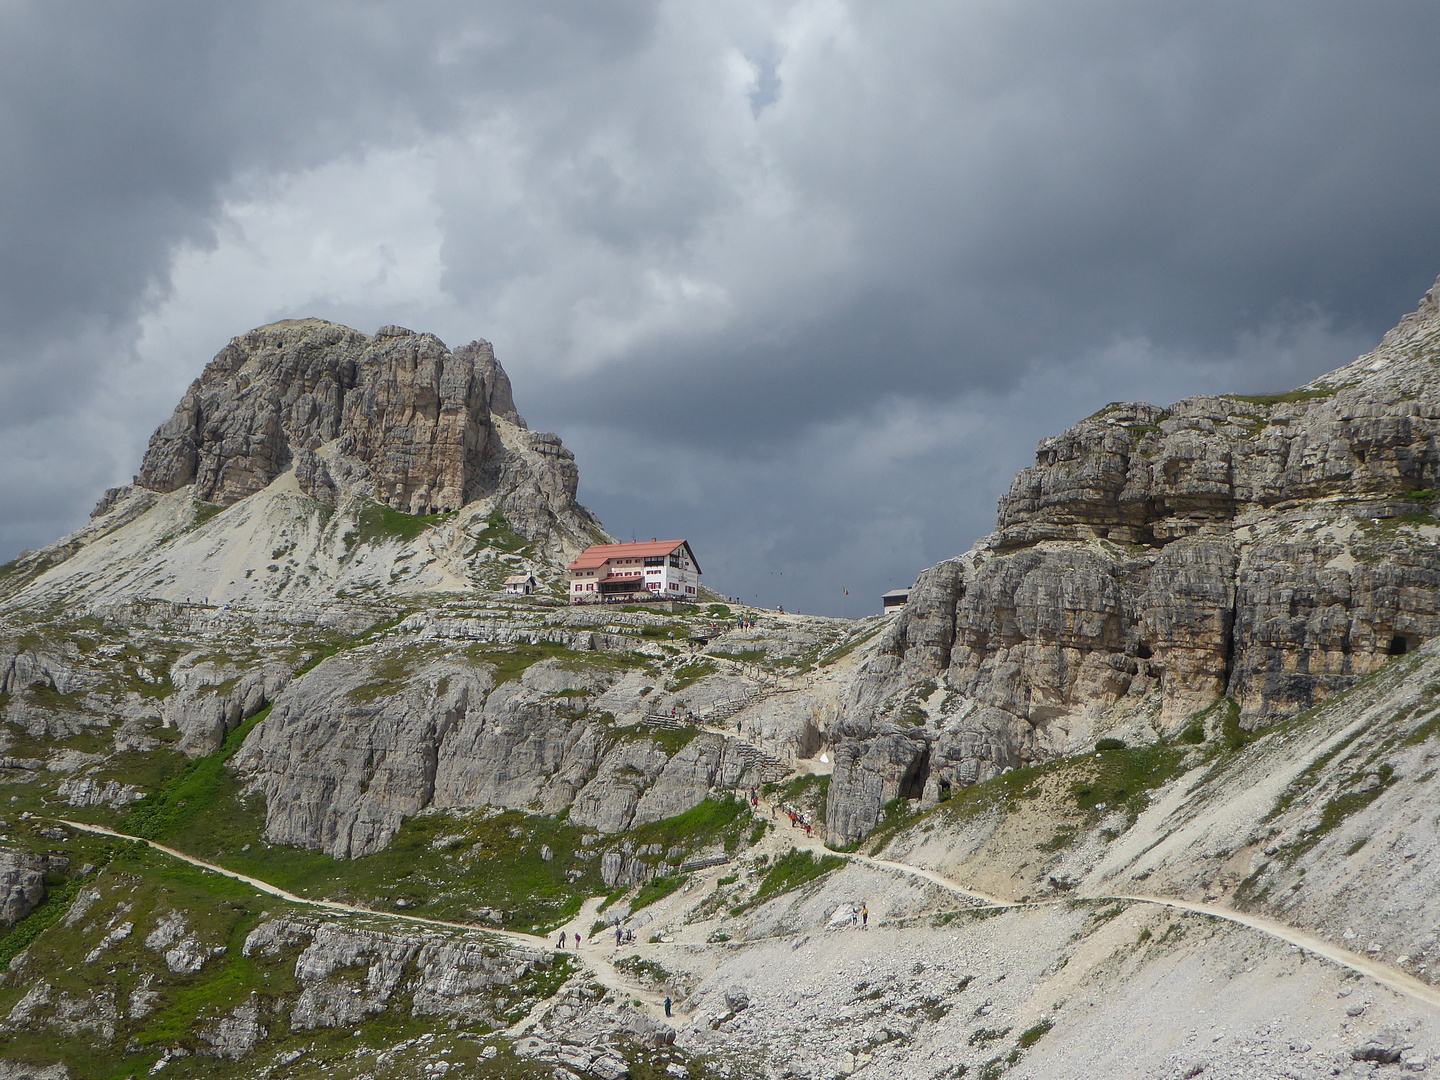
(1273, 550)
(368, 739)
(22, 885)
(397, 418)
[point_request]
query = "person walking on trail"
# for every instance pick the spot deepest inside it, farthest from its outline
(562, 939)
(619, 935)
(864, 916)
(667, 1006)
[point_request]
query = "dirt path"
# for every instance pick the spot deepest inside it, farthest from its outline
(1400, 981)
(604, 972)
(595, 965)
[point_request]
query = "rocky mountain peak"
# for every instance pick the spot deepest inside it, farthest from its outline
(287, 469)
(1269, 549)
(397, 418)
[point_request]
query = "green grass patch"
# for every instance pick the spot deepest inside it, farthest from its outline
(811, 788)
(1125, 777)
(44, 695)
(794, 869)
(203, 512)
(669, 740)
(688, 674)
(1302, 784)
(378, 523)
(501, 535)
(656, 889)
(985, 1036)
(1290, 397)
(164, 811)
(1424, 732)
(850, 644)
(1031, 1035)
(712, 821)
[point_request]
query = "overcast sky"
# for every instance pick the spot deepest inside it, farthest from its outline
(803, 282)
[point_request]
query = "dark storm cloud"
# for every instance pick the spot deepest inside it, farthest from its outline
(828, 269)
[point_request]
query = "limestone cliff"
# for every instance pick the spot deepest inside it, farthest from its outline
(1270, 549)
(408, 422)
(374, 736)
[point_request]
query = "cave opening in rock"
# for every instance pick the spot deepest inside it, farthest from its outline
(944, 790)
(912, 783)
(1142, 651)
(1399, 646)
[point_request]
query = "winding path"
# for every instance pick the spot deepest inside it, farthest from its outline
(602, 970)
(1397, 980)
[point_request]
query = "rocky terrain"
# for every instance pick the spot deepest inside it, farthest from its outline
(311, 462)
(1138, 786)
(1270, 550)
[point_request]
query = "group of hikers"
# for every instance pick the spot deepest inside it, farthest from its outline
(622, 937)
(797, 819)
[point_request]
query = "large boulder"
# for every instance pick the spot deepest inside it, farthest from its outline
(22, 884)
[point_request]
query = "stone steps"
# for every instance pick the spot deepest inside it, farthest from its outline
(666, 722)
(771, 768)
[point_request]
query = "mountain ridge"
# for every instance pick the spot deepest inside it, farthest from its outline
(1167, 676)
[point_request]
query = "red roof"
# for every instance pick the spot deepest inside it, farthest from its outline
(597, 555)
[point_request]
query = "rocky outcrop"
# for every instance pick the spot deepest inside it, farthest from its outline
(348, 974)
(235, 1035)
(397, 418)
(1273, 550)
(212, 700)
(351, 750)
(20, 1070)
(374, 736)
(87, 791)
(22, 884)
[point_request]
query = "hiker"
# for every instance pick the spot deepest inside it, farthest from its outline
(854, 918)
(865, 915)
(562, 939)
(807, 830)
(619, 935)
(667, 1006)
